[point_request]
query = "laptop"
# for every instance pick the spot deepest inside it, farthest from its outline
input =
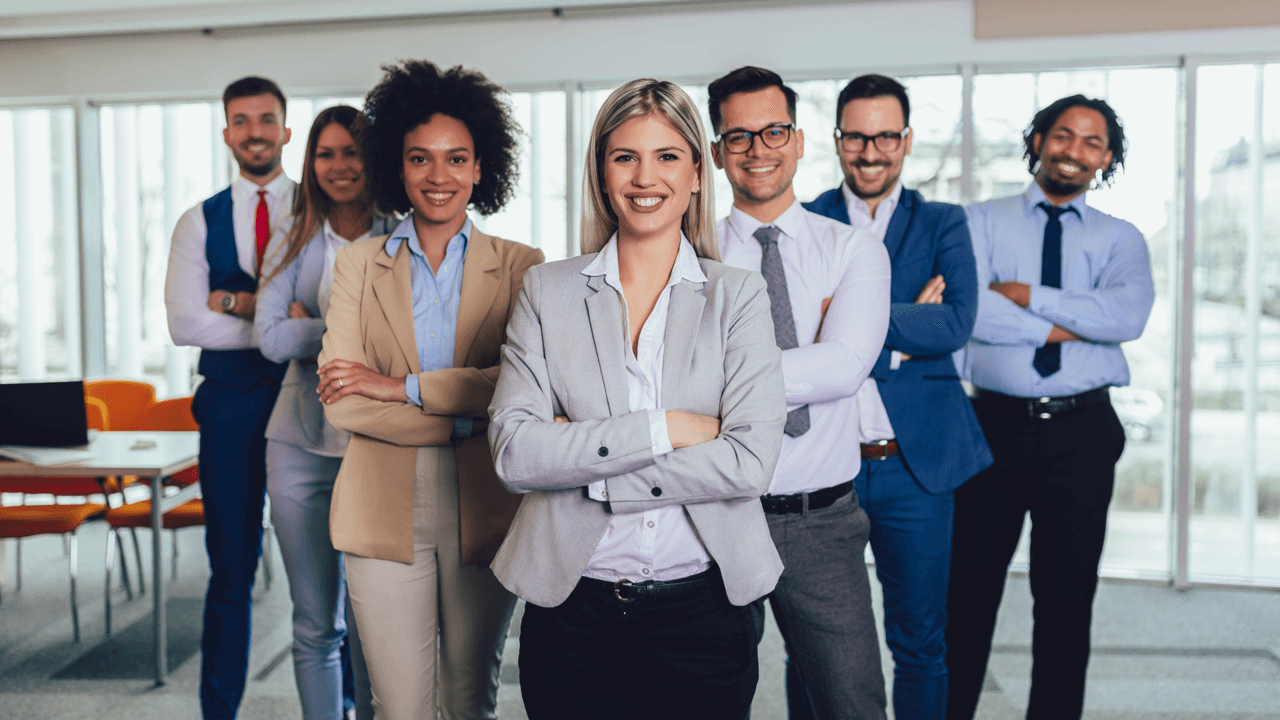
(43, 414)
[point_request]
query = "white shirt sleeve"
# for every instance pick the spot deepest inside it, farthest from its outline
(186, 293)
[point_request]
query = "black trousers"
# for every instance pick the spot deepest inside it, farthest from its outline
(1062, 471)
(685, 654)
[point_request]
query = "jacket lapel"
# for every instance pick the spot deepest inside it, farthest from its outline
(900, 223)
(480, 287)
(683, 319)
(605, 313)
(394, 290)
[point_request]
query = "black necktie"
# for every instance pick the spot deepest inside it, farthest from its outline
(1048, 358)
(784, 322)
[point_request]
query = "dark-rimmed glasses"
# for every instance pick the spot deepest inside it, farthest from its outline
(886, 142)
(773, 136)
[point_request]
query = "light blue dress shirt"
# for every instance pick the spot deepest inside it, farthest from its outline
(436, 297)
(1105, 299)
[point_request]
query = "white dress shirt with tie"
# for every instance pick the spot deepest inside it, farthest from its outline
(655, 544)
(186, 287)
(822, 259)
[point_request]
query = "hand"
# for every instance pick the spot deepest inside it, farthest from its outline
(685, 429)
(903, 357)
(932, 292)
(246, 303)
(561, 419)
(340, 378)
(1019, 293)
(826, 303)
(1060, 334)
(298, 311)
(215, 300)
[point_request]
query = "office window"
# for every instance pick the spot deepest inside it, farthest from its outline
(39, 245)
(1143, 192)
(1235, 421)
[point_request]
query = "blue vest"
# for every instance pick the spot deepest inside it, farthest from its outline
(245, 367)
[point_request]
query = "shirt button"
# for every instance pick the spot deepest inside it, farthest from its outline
(644, 571)
(433, 334)
(436, 301)
(604, 451)
(650, 523)
(444, 268)
(656, 492)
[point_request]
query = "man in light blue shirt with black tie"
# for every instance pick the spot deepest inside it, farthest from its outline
(1061, 286)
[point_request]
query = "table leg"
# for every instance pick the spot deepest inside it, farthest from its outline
(159, 621)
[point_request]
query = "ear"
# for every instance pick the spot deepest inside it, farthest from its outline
(715, 156)
(799, 143)
(226, 136)
(288, 134)
(475, 174)
(1035, 143)
(906, 141)
(697, 177)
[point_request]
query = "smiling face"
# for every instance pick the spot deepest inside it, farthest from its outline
(649, 177)
(255, 133)
(339, 170)
(440, 169)
(871, 172)
(1072, 153)
(761, 176)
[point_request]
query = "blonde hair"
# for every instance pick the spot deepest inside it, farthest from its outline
(637, 99)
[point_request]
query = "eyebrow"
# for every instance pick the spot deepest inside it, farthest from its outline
(425, 150)
(669, 148)
(1064, 128)
(766, 127)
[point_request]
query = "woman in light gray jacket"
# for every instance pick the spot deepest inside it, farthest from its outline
(304, 451)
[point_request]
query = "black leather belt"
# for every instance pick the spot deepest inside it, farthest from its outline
(627, 590)
(1043, 408)
(818, 499)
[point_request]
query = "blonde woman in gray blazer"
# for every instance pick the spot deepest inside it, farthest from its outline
(640, 407)
(304, 452)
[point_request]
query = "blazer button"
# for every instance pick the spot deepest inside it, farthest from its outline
(603, 451)
(656, 492)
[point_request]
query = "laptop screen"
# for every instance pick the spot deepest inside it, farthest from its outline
(43, 414)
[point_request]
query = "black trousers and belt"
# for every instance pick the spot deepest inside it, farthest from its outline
(672, 650)
(1054, 458)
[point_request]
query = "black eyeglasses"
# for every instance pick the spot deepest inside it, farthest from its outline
(884, 142)
(774, 136)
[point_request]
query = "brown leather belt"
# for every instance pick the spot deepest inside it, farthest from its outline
(879, 450)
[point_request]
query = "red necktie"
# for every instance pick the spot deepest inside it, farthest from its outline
(261, 227)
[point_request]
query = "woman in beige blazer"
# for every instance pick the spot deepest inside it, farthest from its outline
(641, 408)
(408, 366)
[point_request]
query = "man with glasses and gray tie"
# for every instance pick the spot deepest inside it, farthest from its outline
(828, 288)
(1061, 286)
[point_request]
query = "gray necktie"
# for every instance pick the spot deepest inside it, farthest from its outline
(784, 323)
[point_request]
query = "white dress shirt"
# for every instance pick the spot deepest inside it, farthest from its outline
(822, 259)
(873, 419)
(186, 287)
(655, 544)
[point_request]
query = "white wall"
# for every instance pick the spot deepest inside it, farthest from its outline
(526, 52)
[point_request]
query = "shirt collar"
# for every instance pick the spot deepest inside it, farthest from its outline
(1035, 195)
(276, 189)
(686, 266)
(405, 231)
(790, 222)
(887, 205)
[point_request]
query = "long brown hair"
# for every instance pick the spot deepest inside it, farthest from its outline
(311, 205)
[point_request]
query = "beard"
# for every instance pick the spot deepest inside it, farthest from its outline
(258, 169)
(758, 197)
(1057, 186)
(889, 179)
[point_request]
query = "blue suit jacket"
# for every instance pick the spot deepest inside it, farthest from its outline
(941, 442)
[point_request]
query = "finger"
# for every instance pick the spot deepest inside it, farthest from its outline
(335, 364)
(561, 419)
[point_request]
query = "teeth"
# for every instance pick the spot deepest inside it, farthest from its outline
(762, 169)
(439, 197)
(873, 171)
(647, 201)
(1072, 168)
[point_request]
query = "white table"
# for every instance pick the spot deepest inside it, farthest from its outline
(116, 454)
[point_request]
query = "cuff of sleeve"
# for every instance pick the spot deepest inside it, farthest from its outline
(658, 432)
(895, 360)
(1035, 329)
(463, 426)
(1044, 300)
(598, 491)
(411, 389)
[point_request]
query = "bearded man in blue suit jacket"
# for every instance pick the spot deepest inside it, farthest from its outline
(918, 434)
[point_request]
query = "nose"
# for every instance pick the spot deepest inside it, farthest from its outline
(644, 176)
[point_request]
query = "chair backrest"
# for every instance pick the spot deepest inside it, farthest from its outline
(95, 411)
(172, 414)
(127, 401)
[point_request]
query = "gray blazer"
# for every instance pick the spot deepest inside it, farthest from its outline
(298, 418)
(565, 356)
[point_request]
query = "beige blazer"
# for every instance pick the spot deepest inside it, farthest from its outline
(370, 321)
(565, 355)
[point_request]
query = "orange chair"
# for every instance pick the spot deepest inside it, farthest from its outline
(22, 521)
(127, 401)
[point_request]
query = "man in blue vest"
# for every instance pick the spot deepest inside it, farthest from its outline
(214, 262)
(918, 434)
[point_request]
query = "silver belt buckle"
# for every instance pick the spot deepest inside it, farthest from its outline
(1034, 405)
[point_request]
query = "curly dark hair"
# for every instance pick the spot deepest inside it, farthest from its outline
(408, 95)
(1045, 119)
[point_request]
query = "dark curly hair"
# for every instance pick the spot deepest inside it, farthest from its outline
(1045, 119)
(409, 95)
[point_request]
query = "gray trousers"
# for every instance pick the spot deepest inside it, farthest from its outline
(823, 607)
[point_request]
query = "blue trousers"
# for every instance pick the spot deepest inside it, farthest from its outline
(911, 539)
(233, 478)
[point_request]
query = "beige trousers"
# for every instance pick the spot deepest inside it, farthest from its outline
(411, 615)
